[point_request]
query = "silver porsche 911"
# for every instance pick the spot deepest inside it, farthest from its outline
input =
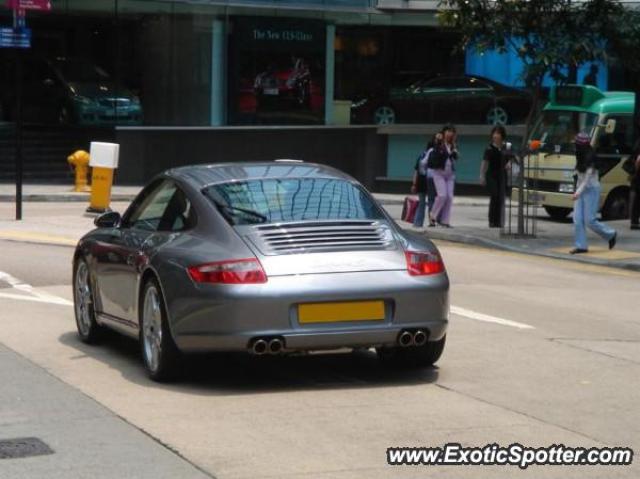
(270, 258)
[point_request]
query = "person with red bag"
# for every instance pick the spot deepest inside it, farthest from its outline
(420, 182)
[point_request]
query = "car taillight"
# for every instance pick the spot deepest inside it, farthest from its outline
(422, 263)
(236, 271)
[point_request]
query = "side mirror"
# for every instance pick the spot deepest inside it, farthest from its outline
(610, 127)
(110, 219)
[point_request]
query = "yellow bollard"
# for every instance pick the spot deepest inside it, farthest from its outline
(103, 161)
(80, 161)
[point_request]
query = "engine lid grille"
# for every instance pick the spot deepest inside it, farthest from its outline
(327, 236)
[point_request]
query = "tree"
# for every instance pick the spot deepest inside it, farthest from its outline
(551, 37)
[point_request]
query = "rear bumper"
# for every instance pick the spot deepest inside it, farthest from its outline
(228, 318)
(295, 340)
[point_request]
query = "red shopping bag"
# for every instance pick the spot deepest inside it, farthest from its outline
(409, 209)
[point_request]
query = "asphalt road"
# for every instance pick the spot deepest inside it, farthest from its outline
(539, 352)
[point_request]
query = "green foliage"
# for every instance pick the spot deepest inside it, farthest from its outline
(547, 35)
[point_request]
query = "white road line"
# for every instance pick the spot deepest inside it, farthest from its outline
(466, 313)
(32, 294)
(23, 297)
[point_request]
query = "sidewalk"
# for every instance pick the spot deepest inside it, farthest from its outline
(60, 193)
(64, 193)
(553, 239)
(54, 215)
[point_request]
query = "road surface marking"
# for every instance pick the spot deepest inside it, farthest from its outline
(22, 297)
(466, 313)
(32, 237)
(32, 294)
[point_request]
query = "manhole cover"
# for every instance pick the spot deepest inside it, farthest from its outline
(23, 447)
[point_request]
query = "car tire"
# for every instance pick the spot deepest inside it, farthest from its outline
(497, 115)
(384, 115)
(616, 207)
(557, 213)
(160, 354)
(83, 304)
(413, 356)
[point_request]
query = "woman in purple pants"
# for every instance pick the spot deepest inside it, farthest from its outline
(443, 161)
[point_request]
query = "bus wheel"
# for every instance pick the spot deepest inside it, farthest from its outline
(557, 213)
(616, 207)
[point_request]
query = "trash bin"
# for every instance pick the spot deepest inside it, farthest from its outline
(342, 112)
(103, 161)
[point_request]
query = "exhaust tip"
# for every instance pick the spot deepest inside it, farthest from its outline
(405, 339)
(275, 346)
(420, 338)
(259, 347)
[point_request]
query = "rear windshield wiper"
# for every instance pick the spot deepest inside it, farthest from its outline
(230, 210)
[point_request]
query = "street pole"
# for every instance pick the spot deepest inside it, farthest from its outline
(18, 22)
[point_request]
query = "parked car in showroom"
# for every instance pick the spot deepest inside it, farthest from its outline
(463, 99)
(66, 91)
(268, 258)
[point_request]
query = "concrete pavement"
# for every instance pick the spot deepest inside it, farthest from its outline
(84, 438)
(569, 378)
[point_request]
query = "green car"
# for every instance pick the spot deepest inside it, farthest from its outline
(464, 99)
(67, 91)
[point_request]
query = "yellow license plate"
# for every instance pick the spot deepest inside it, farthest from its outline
(341, 312)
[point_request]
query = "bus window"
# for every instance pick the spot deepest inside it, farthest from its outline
(621, 140)
(558, 129)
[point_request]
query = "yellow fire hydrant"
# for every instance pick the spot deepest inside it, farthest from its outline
(80, 161)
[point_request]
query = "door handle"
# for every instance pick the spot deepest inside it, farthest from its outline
(131, 259)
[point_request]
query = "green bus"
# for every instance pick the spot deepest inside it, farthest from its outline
(608, 118)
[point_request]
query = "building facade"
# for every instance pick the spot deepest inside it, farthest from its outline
(132, 67)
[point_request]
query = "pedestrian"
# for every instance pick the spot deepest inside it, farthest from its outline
(442, 160)
(419, 185)
(496, 160)
(587, 197)
(633, 168)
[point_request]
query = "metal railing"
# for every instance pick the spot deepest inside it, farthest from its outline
(520, 211)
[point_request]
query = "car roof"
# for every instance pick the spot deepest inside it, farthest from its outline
(204, 175)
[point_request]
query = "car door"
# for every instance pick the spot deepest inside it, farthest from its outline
(612, 147)
(475, 100)
(436, 100)
(123, 252)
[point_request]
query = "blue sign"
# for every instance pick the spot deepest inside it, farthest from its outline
(15, 37)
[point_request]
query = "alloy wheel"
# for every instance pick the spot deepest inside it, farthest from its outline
(83, 300)
(152, 328)
(384, 115)
(497, 116)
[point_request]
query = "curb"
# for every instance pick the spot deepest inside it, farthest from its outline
(490, 244)
(384, 202)
(62, 198)
(119, 197)
(37, 238)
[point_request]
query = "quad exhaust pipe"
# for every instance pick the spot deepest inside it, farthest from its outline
(261, 346)
(405, 339)
(419, 338)
(275, 346)
(412, 338)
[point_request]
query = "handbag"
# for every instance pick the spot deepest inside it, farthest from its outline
(409, 208)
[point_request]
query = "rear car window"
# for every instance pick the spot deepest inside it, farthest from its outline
(292, 199)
